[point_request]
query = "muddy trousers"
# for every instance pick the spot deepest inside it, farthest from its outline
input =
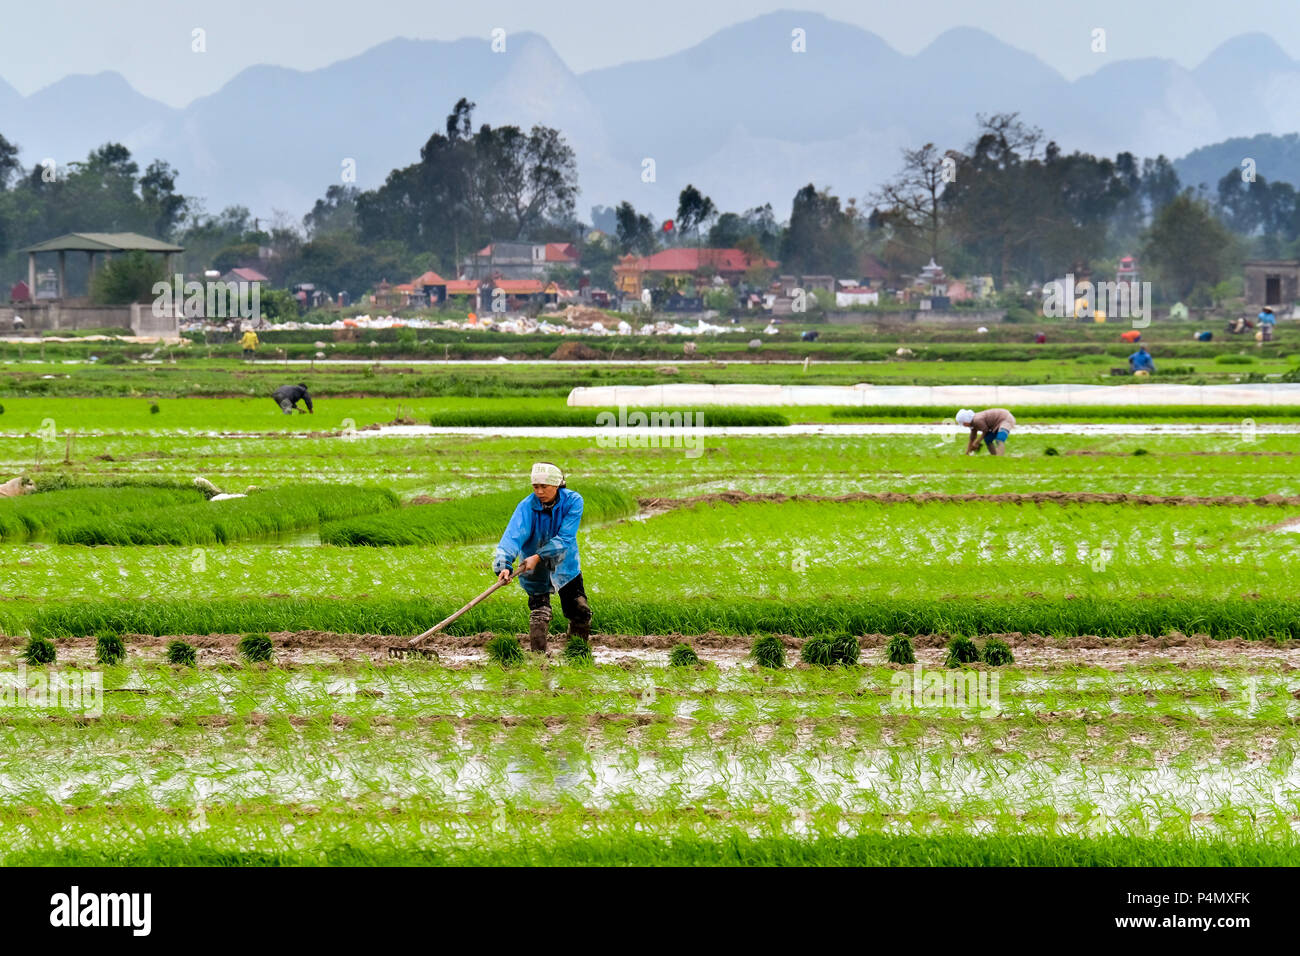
(573, 604)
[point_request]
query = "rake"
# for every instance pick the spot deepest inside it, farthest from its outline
(411, 648)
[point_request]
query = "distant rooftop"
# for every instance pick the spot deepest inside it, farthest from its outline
(103, 242)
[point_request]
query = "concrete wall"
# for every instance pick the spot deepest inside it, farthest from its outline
(50, 317)
(55, 317)
(144, 322)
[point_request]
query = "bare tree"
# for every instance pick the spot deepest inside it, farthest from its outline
(913, 195)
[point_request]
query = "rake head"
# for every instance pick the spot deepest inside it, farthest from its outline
(404, 652)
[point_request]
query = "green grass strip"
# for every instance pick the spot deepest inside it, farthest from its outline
(1061, 617)
(478, 518)
(737, 849)
(1219, 413)
(234, 519)
(29, 515)
(709, 416)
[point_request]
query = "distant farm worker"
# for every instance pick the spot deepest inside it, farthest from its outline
(543, 531)
(1141, 362)
(249, 343)
(1204, 336)
(1131, 336)
(1040, 338)
(993, 425)
(288, 397)
(1267, 322)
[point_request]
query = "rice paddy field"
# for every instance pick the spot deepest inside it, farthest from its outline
(834, 648)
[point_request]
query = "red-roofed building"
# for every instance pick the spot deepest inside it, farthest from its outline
(244, 275)
(683, 265)
(561, 254)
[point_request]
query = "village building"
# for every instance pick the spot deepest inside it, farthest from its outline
(683, 268)
(1273, 282)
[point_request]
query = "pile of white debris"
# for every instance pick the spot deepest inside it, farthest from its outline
(572, 321)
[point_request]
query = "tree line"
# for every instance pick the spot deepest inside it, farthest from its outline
(1010, 204)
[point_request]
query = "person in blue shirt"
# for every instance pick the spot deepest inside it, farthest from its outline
(1267, 320)
(543, 531)
(1141, 361)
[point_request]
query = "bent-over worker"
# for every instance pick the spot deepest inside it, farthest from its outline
(993, 425)
(288, 397)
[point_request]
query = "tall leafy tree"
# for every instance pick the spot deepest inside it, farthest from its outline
(635, 231)
(693, 210)
(1187, 245)
(821, 238)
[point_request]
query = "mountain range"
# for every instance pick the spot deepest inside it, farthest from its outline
(741, 115)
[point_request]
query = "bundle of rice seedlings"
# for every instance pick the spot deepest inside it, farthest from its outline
(768, 651)
(39, 651)
(504, 649)
(179, 652)
(817, 651)
(845, 650)
(899, 650)
(683, 655)
(109, 649)
(578, 650)
(255, 648)
(997, 652)
(961, 650)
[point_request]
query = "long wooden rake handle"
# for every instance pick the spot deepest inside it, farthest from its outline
(478, 600)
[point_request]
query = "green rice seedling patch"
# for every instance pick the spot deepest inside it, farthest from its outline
(28, 516)
(479, 518)
(235, 519)
(706, 416)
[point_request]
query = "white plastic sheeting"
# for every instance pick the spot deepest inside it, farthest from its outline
(958, 396)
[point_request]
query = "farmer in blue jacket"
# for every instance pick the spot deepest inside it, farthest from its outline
(544, 532)
(1141, 361)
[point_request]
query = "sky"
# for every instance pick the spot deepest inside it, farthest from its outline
(150, 41)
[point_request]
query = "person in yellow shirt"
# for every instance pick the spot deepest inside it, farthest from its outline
(249, 344)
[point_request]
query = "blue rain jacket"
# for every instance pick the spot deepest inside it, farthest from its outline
(551, 534)
(1140, 360)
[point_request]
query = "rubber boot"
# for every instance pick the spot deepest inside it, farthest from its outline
(580, 622)
(539, 624)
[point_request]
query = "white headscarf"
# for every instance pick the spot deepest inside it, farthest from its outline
(544, 473)
(965, 415)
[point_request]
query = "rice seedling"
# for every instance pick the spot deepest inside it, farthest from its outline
(479, 518)
(899, 650)
(997, 652)
(180, 653)
(961, 650)
(578, 650)
(768, 651)
(109, 649)
(683, 655)
(38, 651)
(255, 648)
(504, 649)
